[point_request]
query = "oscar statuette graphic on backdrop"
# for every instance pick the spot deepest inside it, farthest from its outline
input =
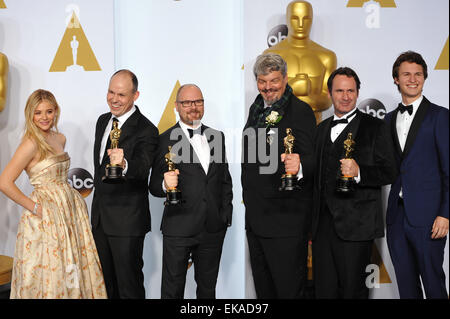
(74, 52)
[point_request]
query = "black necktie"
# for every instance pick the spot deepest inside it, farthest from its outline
(198, 130)
(402, 108)
(336, 122)
(108, 143)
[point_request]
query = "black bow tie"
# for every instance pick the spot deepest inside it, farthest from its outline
(198, 130)
(336, 122)
(402, 108)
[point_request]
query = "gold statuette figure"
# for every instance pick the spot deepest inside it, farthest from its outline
(173, 194)
(113, 172)
(114, 136)
(309, 64)
(346, 184)
(289, 180)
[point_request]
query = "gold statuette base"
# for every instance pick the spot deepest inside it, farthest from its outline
(113, 175)
(173, 197)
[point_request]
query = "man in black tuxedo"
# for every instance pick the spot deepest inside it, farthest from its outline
(120, 212)
(345, 226)
(277, 222)
(198, 224)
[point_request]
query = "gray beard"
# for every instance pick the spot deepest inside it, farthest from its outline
(270, 102)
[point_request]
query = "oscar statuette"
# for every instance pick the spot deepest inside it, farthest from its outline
(173, 194)
(346, 184)
(113, 172)
(288, 180)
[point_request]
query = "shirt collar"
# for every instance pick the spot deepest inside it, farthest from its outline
(415, 105)
(349, 116)
(122, 119)
(185, 127)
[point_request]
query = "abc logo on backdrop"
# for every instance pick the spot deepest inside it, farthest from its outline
(373, 107)
(277, 34)
(81, 180)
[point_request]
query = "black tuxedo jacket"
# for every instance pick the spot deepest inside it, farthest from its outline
(357, 217)
(206, 198)
(123, 209)
(269, 212)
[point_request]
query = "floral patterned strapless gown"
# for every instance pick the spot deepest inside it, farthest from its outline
(56, 257)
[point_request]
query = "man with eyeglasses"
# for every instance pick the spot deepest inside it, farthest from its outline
(197, 225)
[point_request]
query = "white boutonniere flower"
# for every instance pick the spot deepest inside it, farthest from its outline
(273, 118)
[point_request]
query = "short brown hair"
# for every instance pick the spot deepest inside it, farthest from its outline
(411, 57)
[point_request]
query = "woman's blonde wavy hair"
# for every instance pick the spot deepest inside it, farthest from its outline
(31, 130)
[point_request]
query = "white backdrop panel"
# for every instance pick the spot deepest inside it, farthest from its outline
(30, 34)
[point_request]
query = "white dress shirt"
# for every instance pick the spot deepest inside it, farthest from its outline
(122, 119)
(404, 121)
(199, 144)
(338, 128)
(403, 124)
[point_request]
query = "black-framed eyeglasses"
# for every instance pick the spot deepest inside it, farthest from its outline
(188, 103)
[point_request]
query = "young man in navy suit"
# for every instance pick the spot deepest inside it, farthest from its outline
(417, 213)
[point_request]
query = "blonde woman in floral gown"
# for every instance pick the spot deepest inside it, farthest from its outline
(55, 255)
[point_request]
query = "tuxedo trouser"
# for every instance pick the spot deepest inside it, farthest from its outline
(415, 255)
(206, 250)
(278, 266)
(121, 260)
(339, 266)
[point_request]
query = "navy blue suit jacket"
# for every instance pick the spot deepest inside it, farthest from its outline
(423, 166)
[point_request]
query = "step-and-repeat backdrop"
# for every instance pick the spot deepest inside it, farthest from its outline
(72, 47)
(366, 36)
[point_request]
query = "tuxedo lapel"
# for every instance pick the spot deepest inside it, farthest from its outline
(99, 136)
(394, 133)
(351, 127)
(323, 135)
(212, 149)
(415, 126)
(129, 127)
(193, 160)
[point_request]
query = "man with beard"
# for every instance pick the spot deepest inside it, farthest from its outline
(277, 221)
(197, 225)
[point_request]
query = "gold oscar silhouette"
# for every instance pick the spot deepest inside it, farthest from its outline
(74, 52)
(309, 64)
(3, 80)
(168, 118)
